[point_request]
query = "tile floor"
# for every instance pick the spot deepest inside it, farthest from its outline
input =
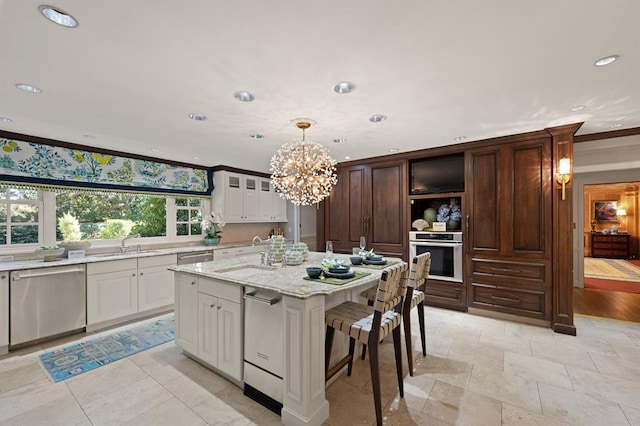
(478, 371)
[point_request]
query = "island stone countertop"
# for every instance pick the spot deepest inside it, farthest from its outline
(288, 281)
(103, 257)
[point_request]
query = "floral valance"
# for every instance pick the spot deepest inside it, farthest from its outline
(35, 163)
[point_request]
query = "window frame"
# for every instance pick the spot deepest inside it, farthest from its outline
(8, 202)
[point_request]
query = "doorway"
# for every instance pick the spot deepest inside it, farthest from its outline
(607, 270)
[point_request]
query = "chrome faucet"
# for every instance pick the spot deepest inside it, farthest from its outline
(253, 243)
(123, 248)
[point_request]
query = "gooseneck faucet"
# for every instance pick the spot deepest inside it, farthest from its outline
(124, 248)
(253, 243)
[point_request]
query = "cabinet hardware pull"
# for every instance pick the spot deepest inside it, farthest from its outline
(141, 273)
(219, 307)
(133, 275)
(212, 305)
(466, 224)
(505, 299)
(493, 268)
(193, 283)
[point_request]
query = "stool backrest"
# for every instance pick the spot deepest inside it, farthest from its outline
(419, 272)
(392, 287)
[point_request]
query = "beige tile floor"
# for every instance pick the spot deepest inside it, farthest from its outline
(478, 371)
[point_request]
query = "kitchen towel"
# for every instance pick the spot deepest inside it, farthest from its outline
(78, 358)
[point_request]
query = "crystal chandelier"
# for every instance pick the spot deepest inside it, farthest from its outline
(303, 171)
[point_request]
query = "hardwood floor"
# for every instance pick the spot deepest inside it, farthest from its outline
(607, 304)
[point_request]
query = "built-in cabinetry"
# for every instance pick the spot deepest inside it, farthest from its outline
(369, 200)
(4, 312)
(120, 288)
(610, 245)
(246, 198)
(225, 253)
(209, 322)
(508, 228)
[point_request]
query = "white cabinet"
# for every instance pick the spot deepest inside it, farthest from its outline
(247, 198)
(209, 322)
(119, 288)
(111, 295)
(4, 312)
(155, 282)
(226, 253)
(186, 312)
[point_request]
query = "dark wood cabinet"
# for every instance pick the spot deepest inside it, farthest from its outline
(508, 228)
(610, 245)
(369, 200)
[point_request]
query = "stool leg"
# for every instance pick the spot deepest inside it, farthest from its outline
(406, 322)
(352, 347)
(328, 345)
(423, 335)
(375, 380)
(364, 351)
(398, 351)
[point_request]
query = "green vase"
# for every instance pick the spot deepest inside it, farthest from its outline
(211, 241)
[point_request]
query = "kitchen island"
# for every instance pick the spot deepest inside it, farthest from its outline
(304, 303)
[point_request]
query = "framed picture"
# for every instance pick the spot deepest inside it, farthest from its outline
(606, 211)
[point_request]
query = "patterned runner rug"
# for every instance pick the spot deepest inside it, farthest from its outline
(611, 269)
(78, 358)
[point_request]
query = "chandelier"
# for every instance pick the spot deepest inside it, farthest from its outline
(303, 171)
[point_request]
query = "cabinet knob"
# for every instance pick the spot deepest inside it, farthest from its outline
(219, 306)
(213, 305)
(3, 277)
(133, 275)
(193, 283)
(141, 273)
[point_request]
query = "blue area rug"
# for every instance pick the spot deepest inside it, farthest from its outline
(79, 358)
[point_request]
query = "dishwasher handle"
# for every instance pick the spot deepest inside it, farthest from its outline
(17, 276)
(267, 300)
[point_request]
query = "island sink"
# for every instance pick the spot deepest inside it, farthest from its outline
(242, 271)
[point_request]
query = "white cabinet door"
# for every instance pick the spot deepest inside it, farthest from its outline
(155, 287)
(279, 208)
(265, 209)
(186, 312)
(111, 295)
(233, 198)
(4, 309)
(208, 328)
(230, 338)
(251, 199)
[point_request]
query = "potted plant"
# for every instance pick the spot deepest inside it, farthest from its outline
(70, 229)
(212, 227)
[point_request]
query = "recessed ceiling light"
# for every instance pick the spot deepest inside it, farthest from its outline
(198, 117)
(59, 17)
(244, 96)
(196, 158)
(257, 136)
(344, 87)
(155, 150)
(606, 60)
(28, 88)
(459, 138)
(377, 118)
(577, 108)
(340, 140)
(90, 137)
(394, 150)
(5, 120)
(347, 157)
(616, 125)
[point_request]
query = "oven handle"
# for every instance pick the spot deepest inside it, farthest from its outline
(435, 244)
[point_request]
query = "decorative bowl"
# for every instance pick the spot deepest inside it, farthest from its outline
(314, 271)
(374, 257)
(49, 254)
(342, 269)
(355, 260)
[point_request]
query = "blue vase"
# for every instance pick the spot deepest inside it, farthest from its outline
(211, 241)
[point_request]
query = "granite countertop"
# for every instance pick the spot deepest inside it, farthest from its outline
(103, 257)
(288, 281)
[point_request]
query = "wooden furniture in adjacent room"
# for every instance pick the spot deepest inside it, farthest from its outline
(610, 245)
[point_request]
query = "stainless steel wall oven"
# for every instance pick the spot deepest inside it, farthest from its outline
(446, 253)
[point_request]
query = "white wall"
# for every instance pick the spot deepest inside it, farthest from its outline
(597, 162)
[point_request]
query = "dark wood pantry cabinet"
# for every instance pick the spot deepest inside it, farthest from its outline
(369, 200)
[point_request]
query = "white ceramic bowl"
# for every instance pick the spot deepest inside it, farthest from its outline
(49, 255)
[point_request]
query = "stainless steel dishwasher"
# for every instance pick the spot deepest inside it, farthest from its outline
(195, 257)
(46, 302)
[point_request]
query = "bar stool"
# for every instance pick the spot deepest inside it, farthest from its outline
(418, 275)
(369, 326)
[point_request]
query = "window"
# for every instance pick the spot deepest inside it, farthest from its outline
(189, 216)
(20, 216)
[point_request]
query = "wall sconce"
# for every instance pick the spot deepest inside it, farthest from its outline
(564, 174)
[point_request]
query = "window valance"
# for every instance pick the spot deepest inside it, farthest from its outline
(59, 166)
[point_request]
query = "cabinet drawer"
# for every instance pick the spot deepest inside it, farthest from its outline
(162, 260)
(514, 301)
(219, 289)
(111, 266)
(610, 238)
(530, 271)
(224, 253)
(251, 249)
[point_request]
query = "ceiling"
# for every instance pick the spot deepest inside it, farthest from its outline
(132, 71)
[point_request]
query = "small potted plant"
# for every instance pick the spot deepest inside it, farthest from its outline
(212, 227)
(70, 229)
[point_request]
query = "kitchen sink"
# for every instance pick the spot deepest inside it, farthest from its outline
(242, 271)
